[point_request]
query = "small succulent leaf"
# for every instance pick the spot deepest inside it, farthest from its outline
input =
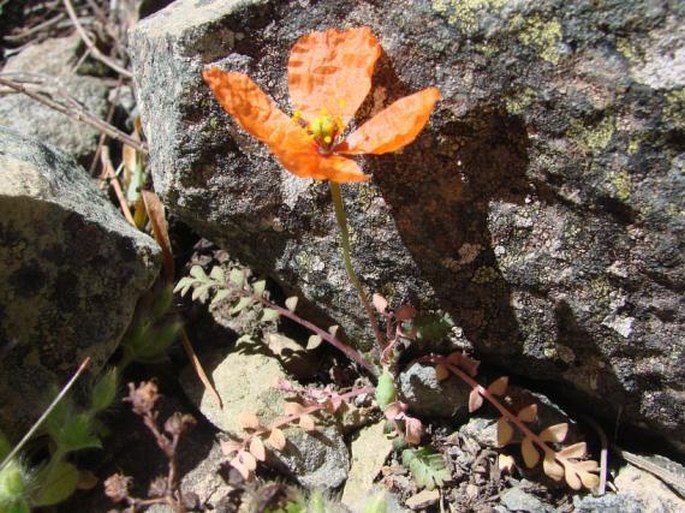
(529, 413)
(475, 400)
(293, 408)
(238, 464)
(572, 478)
(240, 305)
(217, 274)
(269, 314)
(499, 386)
(307, 423)
(257, 448)
(504, 432)
(237, 277)
(385, 390)
(248, 460)
(506, 463)
(530, 454)
(220, 296)
(183, 285)
(258, 287)
(379, 303)
(277, 439)
(333, 330)
(200, 292)
(198, 273)
(405, 312)
(313, 342)
(575, 451)
(556, 433)
(553, 469)
(441, 372)
(248, 420)
(291, 303)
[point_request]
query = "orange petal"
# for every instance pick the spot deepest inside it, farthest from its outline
(393, 127)
(332, 70)
(250, 106)
(301, 157)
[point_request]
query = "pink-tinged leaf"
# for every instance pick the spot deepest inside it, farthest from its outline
(575, 451)
(556, 433)
(405, 312)
(229, 447)
(395, 411)
(248, 460)
(504, 432)
(257, 449)
(293, 408)
(553, 469)
(529, 413)
(248, 420)
(307, 423)
(441, 372)
(413, 429)
(530, 454)
(238, 464)
(505, 463)
(379, 303)
(499, 386)
(277, 439)
(588, 465)
(572, 478)
(475, 400)
(469, 365)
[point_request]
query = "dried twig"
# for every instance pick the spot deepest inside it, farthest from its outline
(79, 115)
(108, 172)
(96, 53)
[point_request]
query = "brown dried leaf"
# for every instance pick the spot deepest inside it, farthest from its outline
(257, 449)
(530, 454)
(441, 372)
(277, 439)
(307, 423)
(293, 408)
(405, 312)
(155, 212)
(505, 463)
(228, 447)
(413, 429)
(556, 433)
(553, 469)
(248, 420)
(379, 303)
(529, 413)
(576, 451)
(475, 400)
(499, 386)
(572, 478)
(504, 432)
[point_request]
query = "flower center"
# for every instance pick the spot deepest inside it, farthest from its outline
(325, 130)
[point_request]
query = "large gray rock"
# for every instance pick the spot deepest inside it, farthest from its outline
(71, 270)
(51, 64)
(542, 207)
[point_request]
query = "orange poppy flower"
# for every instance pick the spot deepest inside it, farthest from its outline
(329, 75)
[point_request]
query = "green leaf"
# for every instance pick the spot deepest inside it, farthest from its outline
(237, 277)
(242, 303)
(162, 303)
(199, 273)
(220, 295)
(385, 390)
(17, 506)
(56, 482)
(427, 467)
(105, 390)
(152, 345)
(269, 315)
(377, 504)
(217, 274)
(77, 433)
(12, 482)
(433, 326)
(291, 303)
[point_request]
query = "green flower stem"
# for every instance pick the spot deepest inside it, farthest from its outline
(345, 245)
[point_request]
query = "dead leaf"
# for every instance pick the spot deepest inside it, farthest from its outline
(441, 372)
(413, 429)
(405, 312)
(156, 214)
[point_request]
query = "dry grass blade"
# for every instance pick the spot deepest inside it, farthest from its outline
(155, 212)
(197, 367)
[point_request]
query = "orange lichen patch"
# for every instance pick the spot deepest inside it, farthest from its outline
(332, 70)
(395, 126)
(329, 75)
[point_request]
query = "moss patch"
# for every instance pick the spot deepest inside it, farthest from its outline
(622, 184)
(542, 35)
(466, 13)
(595, 137)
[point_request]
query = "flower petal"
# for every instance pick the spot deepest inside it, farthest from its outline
(332, 70)
(393, 127)
(250, 106)
(301, 157)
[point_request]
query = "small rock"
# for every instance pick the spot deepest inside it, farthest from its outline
(516, 500)
(426, 396)
(423, 499)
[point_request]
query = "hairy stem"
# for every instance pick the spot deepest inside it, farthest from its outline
(345, 245)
